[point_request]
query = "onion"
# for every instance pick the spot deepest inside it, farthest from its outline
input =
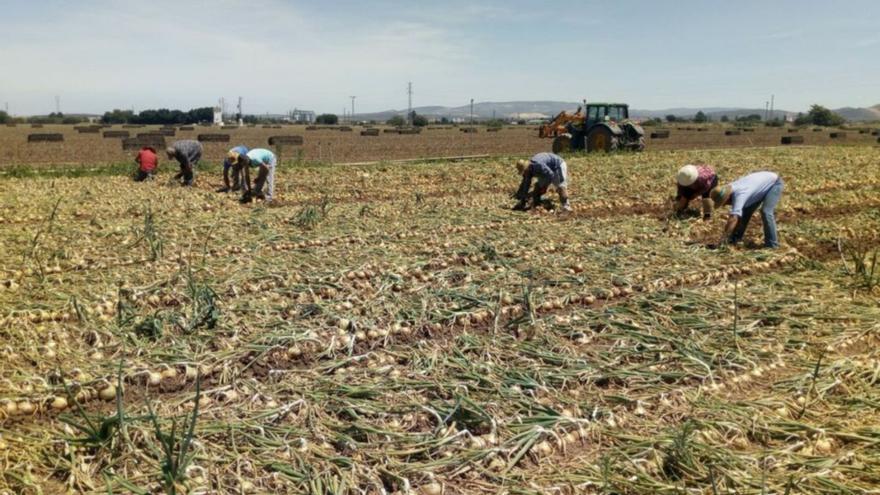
(59, 403)
(431, 489)
(108, 392)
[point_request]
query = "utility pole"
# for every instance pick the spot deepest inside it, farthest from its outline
(472, 111)
(57, 104)
(240, 115)
(409, 110)
(352, 108)
(766, 111)
(772, 98)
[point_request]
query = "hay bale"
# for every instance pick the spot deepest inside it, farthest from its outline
(748, 129)
(286, 140)
(791, 131)
(116, 134)
(370, 132)
(187, 128)
(702, 129)
(469, 130)
(36, 126)
(311, 128)
(345, 128)
(88, 130)
(875, 133)
(838, 135)
(732, 132)
(660, 134)
(150, 135)
(413, 130)
(817, 129)
(168, 132)
(45, 138)
(792, 139)
(229, 127)
(156, 141)
(213, 138)
(131, 126)
(391, 131)
(864, 131)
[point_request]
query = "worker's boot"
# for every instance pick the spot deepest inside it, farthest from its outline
(563, 198)
(707, 208)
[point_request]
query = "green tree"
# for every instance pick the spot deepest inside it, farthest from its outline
(327, 119)
(819, 115)
(4, 117)
(701, 117)
(418, 120)
(725, 118)
(396, 121)
(671, 118)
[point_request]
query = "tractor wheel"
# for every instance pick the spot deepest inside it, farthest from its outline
(601, 138)
(562, 143)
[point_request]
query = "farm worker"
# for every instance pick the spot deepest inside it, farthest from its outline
(693, 181)
(187, 153)
(265, 161)
(147, 161)
(549, 169)
(231, 162)
(745, 195)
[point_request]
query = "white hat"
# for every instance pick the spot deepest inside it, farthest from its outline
(687, 175)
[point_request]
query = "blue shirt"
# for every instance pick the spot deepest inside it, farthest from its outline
(545, 165)
(261, 156)
(240, 149)
(749, 190)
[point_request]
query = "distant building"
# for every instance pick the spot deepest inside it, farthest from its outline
(304, 116)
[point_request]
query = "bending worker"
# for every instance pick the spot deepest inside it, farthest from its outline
(147, 161)
(745, 195)
(187, 153)
(265, 161)
(231, 162)
(549, 169)
(693, 181)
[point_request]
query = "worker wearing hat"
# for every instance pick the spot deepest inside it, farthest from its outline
(231, 163)
(187, 152)
(693, 181)
(549, 169)
(745, 195)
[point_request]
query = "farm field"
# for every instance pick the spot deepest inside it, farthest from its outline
(334, 146)
(397, 329)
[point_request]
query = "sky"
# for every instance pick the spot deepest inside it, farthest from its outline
(277, 55)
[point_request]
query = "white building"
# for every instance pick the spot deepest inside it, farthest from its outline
(306, 116)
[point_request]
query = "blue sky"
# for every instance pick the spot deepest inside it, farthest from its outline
(103, 54)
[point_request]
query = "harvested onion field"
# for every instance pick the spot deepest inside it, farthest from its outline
(397, 329)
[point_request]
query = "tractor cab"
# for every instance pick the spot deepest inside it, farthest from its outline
(606, 112)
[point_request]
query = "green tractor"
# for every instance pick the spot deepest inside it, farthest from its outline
(604, 127)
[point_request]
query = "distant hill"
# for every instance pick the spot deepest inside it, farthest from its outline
(548, 109)
(860, 114)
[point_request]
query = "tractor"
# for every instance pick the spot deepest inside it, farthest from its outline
(604, 127)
